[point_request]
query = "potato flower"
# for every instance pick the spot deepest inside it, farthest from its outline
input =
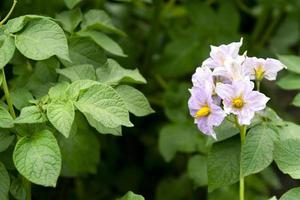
(240, 100)
(259, 68)
(205, 112)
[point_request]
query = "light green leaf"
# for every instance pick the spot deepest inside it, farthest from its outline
(99, 20)
(84, 51)
(296, 101)
(59, 91)
(79, 86)
(70, 19)
(131, 196)
(292, 194)
(17, 24)
(104, 104)
(101, 128)
(291, 62)
(135, 100)
(72, 3)
(79, 72)
(223, 164)
(112, 73)
(7, 48)
(21, 97)
(6, 121)
(273, 198)
(184, 138)
(257, 152)
(290, 81)
(5, 140)
(286, 156)
(103, 41)
(41, 39)
(61, 115)
(17, 189)
(80, 152)
(197, 170)
(4, 183)
(30, 115)
(38, 158)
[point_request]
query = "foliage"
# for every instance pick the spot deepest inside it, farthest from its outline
(69, 65)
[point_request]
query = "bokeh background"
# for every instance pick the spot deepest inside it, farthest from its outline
(163, 156)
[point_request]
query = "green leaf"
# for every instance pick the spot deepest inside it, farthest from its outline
(41, 39)
(286, 156)
(290, 81)
(72, 3)
(70, 19)
(17, 24)
(17, 189)
(21, 97)
(173, 188)
(174, 102)
(257, 152)
(105, 105)
(292, 194)
(4, 183)
(101, 128)
(38, 158)
(197, 170)
(103, 41)
(184, 138)
(136, 102)
(296, 101)
(112, 73)
(6, 121)
(61, 114)
(7, 48)
(79, 86)
(79, 72)
(6, 139)
(59, 91)
(223, 164)
(80, 152)
(131, 196)
(84, 51)
(99, 20)
(30, 115)
(291, 62)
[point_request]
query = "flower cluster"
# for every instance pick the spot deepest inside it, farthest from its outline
(223, 85)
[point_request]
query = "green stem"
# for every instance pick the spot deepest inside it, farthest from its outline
(7, 96)
(244, 7)
(9, 13)
(257, 82)
(26, 183)
(242, 181)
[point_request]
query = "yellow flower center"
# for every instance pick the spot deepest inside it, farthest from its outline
(238, 102)
(259, 73)
(203, 112)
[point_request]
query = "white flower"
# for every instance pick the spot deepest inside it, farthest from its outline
(259, 68)
(219, 54)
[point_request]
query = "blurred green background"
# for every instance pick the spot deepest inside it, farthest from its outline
(163, 156)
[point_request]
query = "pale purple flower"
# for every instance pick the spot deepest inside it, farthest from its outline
(240, 99)
(232, 70)
(205, 112)
(203, 78)
(219, 54)
(259, 68)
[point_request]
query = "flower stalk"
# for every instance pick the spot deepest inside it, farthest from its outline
(242, 181)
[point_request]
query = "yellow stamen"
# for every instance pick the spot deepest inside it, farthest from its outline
(203, 112)
(259, 73)
(238, 102)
